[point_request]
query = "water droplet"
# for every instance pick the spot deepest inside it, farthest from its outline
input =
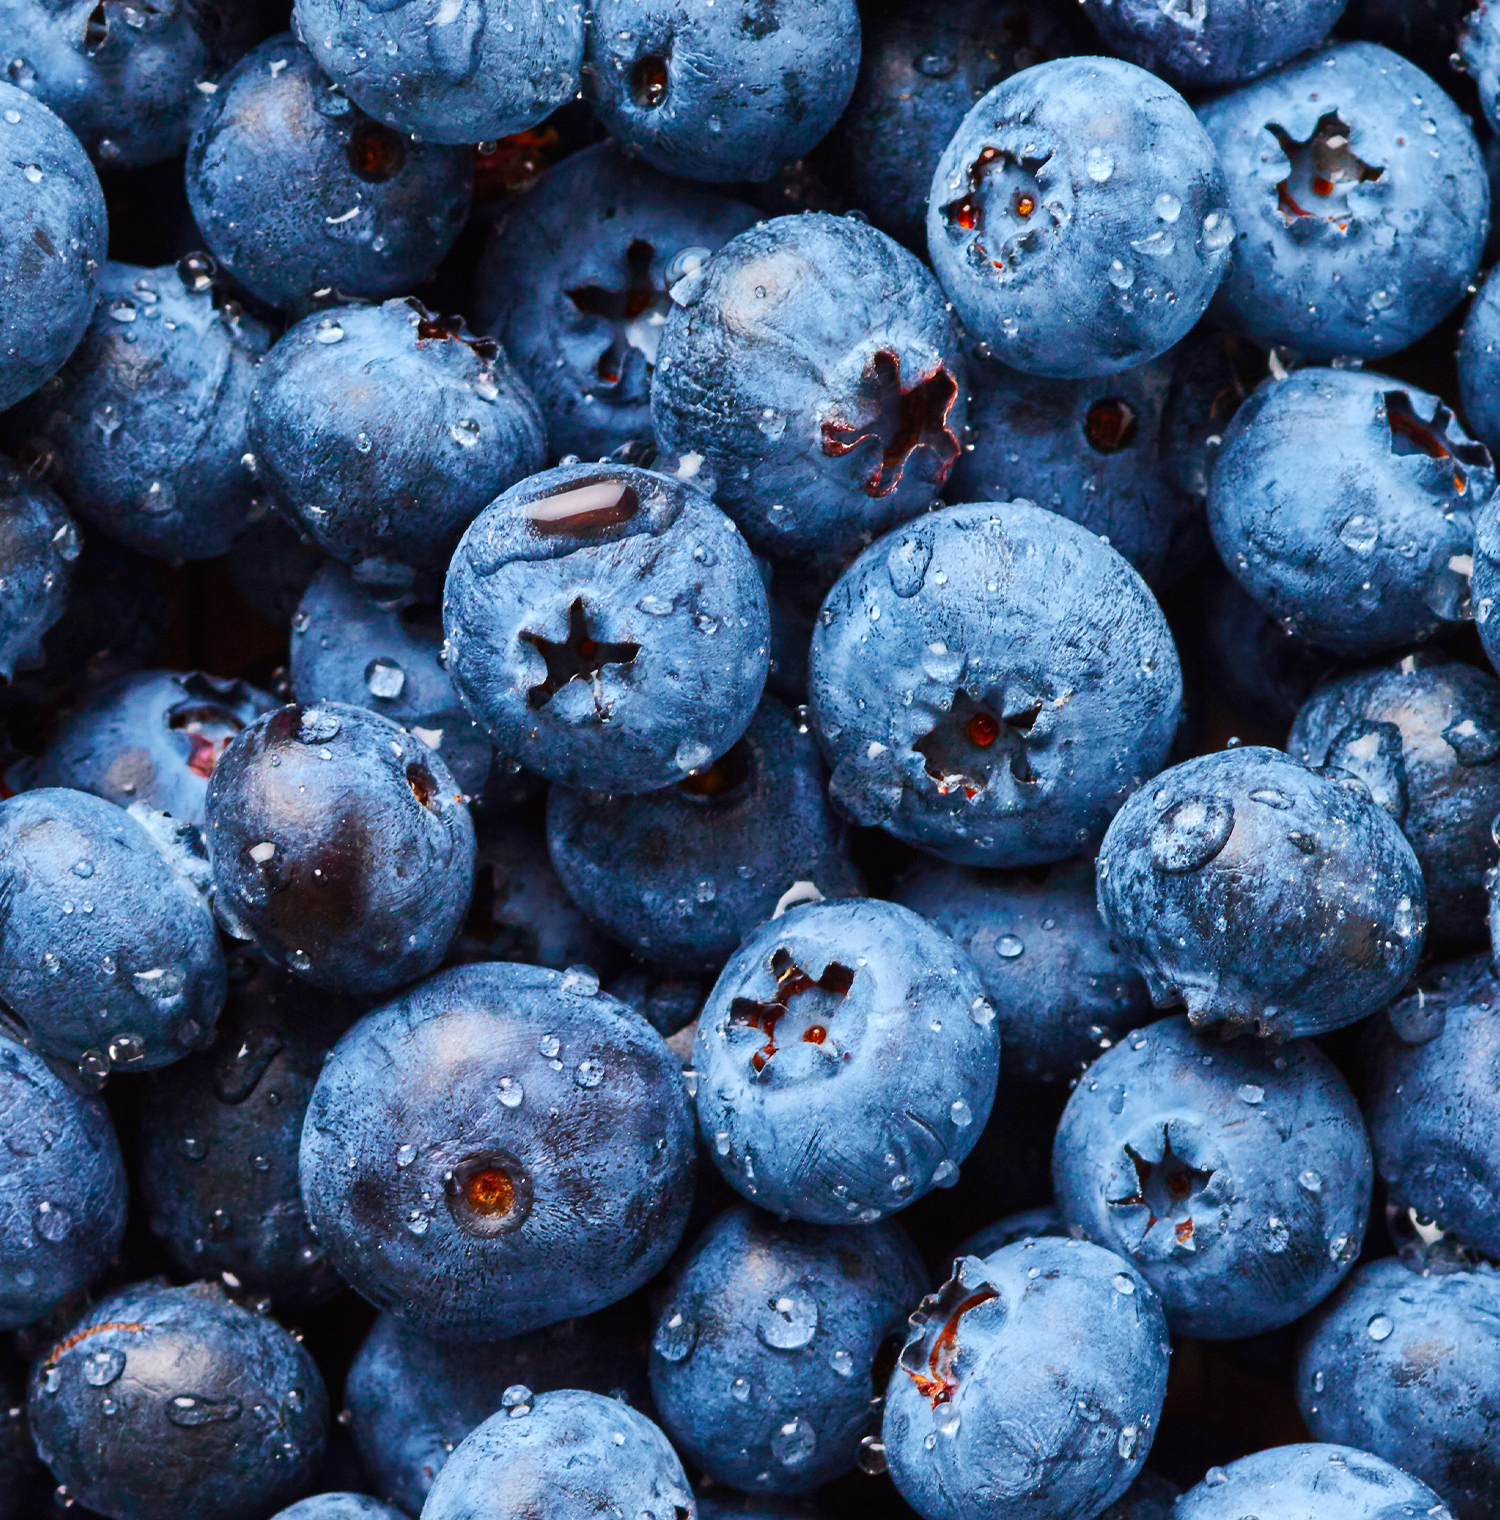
(512, 1093)
(788, 1321)
(590, 1073)
(842, 1363)
(1129, 1435)
(1098, 164)
(1360, 533)
(739, 1390)
(1311, 1181)
(405, 1155)
(549, 1045)
(192, 1148)
(1120, 276)
(1123, 1283)
(870, 1458)
(945, 1419)
(581, 981)
(982, 1011)
(960, 1113)
(675, 1337)
(1218, 231)
(794, 1442)
(192, 1409)
(384, 679)
(101, 1368)
(317, 726)
(328, 331)
(1250, 1093)
(1008, 947)
(33, 174)
(1380, 1327)
(691, 755)
(516, 1401)
(465, 431)
(1168, 207)
(417, 1222)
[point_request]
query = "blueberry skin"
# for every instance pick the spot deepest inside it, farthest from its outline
(668, 1002)
(562, 1459)
(764, 1344)
(867, 995)
(724, 94)
(222, 1415)
(389, 441)
(465, 74)
(1079, 218)
(63, 1191)
(411, 1400)
(1061, 989)
(1424, 735)
(136, 971)
(920, 71)
(1430, 1102)
(682, 875)
(607, 626)
(815, 365)
(1240, 1188)
(1478, 379)
(1310, 1481)
(152, 737)
(578, 270)
(1217, 46)
(1340, 502)
(1406, 1367)
(1479, 49)
(982, 1370)
(516, 1163)
(1386, 254)
(1257, 892)
(340, 1507)
(38, 547)
(278, 160)
(53, 210)
(1029, 1224)
(990, 683)
(371, 849)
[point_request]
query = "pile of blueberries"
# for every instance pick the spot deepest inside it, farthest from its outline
(751, 760)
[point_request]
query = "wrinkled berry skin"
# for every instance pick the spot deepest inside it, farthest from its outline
(1258, 893)
(1478, 368)
(53, 210)
(341, 845)
(1430, 1100)
(765, 1341)
(1386, 252)
(1211, 46)
(176, 1401)
(579, 270)
(278, 159)
(1406, 1367)
(1308, 1482)
(1341, 501)
(466, 74)
(682, 875)
(1078, 219)
(102, 943)
(1423, 733)
(387, 443)
(608, 626)
(583, 1155)
(920, 71)
(720, 94)
(1479, 48)
(411, 1400)
(990, 683)
(152, 737)
(62, 1193)
(562, 1458)
(340, 1507)
(38, 547)
(847, 1061)
(1239, 1188)
(1484, 585)
(1061, 989)
(1010, 1441)
(814, 364)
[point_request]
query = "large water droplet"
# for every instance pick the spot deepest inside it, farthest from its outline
(193, 1409)
(794, 1442)
(676, 1336)
(788, 1321)
(102, 1367)
(1380, 1327)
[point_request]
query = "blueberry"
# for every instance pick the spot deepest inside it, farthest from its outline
(990, 683)
(764, 1344)
(537, 1120)
(340, 1507)
(1479, 54)
(1405, 1367)
(388, 442)
(1236, 1176)
(682, 875)
(153, 737)
(63, 1193)
(607, 626)
(1309, 1482)
(1028, 1224)
(109, 954)
(847, 1061)
(1479, 384)
(1061, 990)
(412, 1400)
(1079, 218)
(1257, 892)
(53, 210)
(38, 547)
(668, 1001)
(1361, 201)
(562, 1454)
(814, 364)
(579, 272)
(720, 94)
(1343, 502)
(177, 1401)
(298, 191)
(271, 564)
(340, 844)
(1423, 733)
(979, 1422)
(462, 73)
